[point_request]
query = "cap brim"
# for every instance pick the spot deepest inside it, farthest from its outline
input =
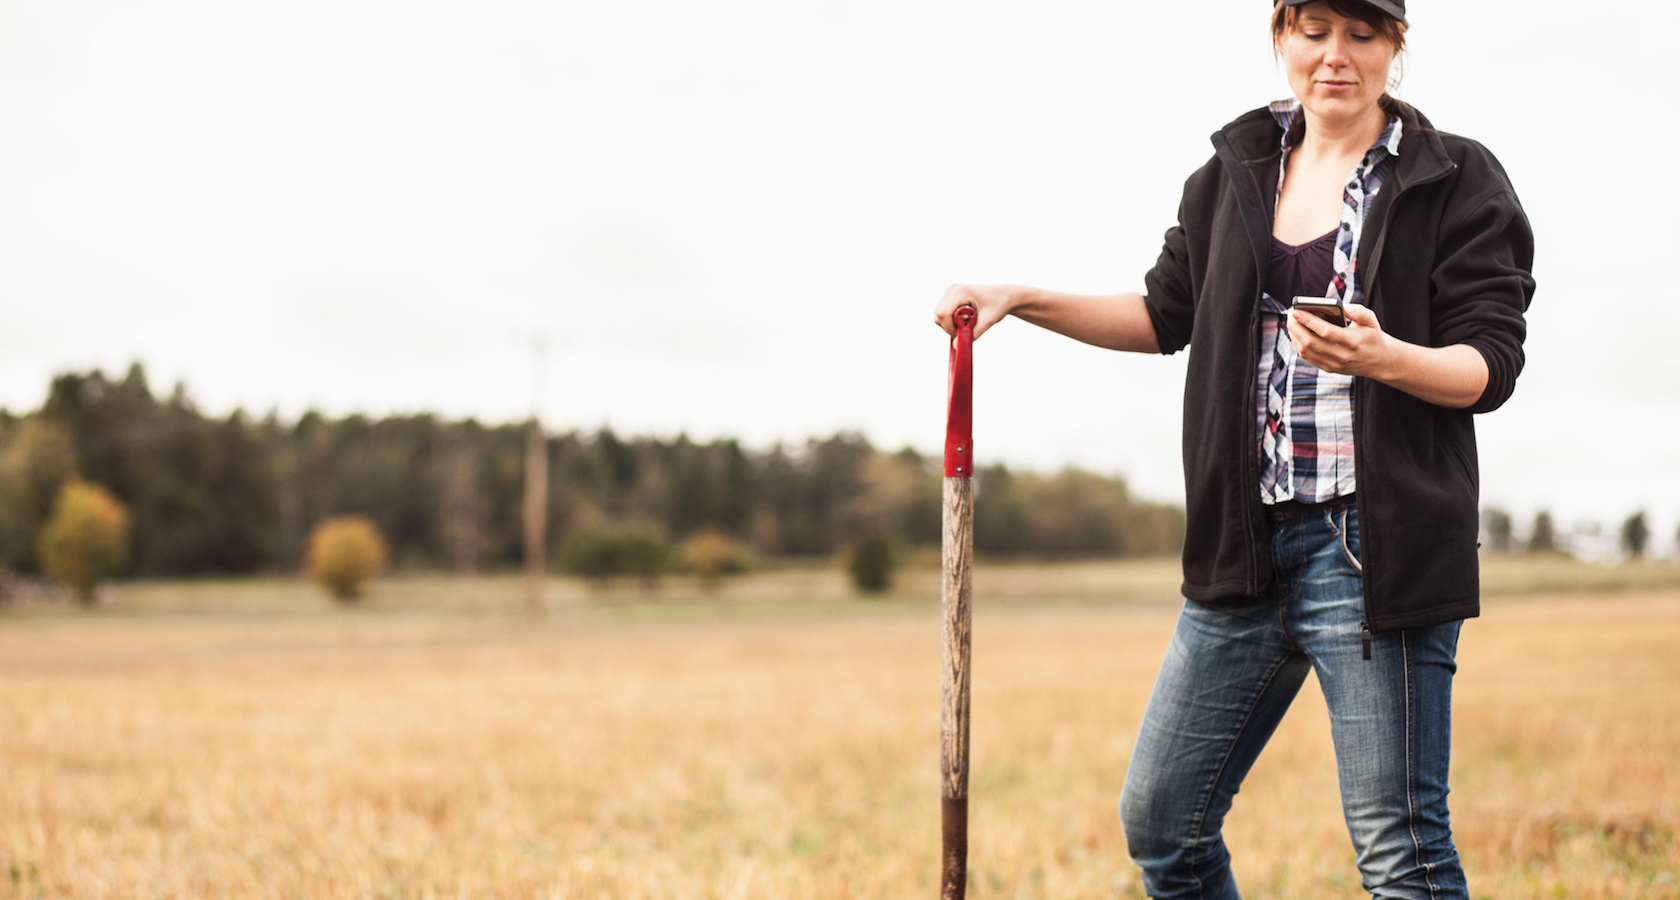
(1386, 7)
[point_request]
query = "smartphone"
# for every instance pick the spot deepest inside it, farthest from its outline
(1329, 309)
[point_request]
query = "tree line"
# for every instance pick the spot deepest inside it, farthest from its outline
(240, 494)
(1633, 537)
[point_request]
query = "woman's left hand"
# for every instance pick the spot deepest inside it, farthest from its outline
(1360, 347)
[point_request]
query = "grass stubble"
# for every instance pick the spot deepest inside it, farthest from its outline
(750, 751)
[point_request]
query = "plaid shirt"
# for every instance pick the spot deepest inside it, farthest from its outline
(1306, 429)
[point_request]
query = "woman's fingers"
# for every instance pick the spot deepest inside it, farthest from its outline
(1362, 315)
(1303, 330)
(987, 316)
(1314, 341)
(955, 296)
(989, 302)
(1338, 349)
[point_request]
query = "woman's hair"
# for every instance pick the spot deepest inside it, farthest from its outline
(1386, 26)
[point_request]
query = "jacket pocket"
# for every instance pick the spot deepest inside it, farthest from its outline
(1465, 469)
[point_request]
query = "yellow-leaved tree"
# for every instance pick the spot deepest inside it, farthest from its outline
(712, 554)
(345, 551)
(85, 541)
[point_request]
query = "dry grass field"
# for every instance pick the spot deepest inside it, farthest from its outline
(778, 741)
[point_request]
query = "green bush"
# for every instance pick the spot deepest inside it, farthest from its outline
(86, 540)
(345, 551)
(645, 557)
(602, 554)
(873, 559)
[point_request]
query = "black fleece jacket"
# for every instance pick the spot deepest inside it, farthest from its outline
(1445, 258)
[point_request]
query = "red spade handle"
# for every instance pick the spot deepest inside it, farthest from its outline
(959, 407)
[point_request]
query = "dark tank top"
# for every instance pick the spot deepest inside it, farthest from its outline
(1301, 270)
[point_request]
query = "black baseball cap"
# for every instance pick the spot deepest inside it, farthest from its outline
(1394, 8)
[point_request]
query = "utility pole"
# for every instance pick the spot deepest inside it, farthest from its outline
(536, 488)
(463, 510)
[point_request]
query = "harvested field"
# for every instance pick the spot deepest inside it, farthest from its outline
(780, 742)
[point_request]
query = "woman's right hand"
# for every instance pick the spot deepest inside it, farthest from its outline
(991, 303)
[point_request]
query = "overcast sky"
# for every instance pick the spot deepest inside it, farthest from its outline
(734, 218)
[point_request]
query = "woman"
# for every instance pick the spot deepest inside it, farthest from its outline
(1330, 475)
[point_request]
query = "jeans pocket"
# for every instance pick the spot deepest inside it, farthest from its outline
(1339, 521)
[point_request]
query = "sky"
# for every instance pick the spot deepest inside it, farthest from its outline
(734, 218)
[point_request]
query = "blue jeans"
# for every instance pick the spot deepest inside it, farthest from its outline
(1229, 675)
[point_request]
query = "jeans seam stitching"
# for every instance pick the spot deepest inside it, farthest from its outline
(1283, 625)
(1411, 770)
(1224, 760)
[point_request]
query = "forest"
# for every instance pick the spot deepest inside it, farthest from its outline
(240, 494)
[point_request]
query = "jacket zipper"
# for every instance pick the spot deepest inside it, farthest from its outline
(1254, 215)
(1252, 465)
(1365, 532)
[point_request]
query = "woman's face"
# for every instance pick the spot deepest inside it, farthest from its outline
(1338, 67)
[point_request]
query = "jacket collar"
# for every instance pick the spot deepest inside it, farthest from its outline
(1256, 137)
(1287, 114)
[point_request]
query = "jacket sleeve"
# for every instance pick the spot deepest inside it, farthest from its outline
(1167, 292)
(1483, 283)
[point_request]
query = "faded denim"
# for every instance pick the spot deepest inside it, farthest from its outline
(1229, 675)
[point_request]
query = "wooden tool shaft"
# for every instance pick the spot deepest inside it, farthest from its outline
(956, 598)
